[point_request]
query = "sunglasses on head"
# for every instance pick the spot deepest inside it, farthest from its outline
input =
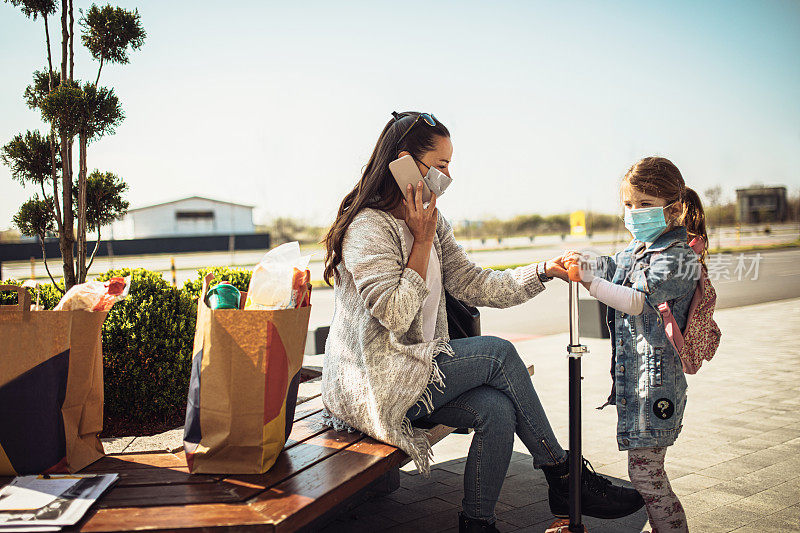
(428, 118)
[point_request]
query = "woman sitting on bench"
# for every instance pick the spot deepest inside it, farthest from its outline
(388, 358)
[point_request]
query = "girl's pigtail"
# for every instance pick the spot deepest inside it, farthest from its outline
(694, 218)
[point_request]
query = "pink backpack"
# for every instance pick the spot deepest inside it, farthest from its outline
(699, 340)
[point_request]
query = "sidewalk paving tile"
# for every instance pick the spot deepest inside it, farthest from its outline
(736, 465)
(168, 441)
(116, 444)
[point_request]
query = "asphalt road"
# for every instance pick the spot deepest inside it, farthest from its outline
(778, 278)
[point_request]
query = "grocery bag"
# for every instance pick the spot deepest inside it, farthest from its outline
(51, 388)
(245, 362)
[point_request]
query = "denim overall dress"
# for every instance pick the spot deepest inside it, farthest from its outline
(649, 387)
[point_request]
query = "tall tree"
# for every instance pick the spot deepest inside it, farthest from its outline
(72, 109)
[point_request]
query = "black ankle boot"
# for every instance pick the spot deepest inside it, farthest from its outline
(599, 497)
(472, 525)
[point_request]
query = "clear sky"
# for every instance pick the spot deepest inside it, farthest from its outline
(279, 104)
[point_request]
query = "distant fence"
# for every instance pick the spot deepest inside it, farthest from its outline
(154, 245)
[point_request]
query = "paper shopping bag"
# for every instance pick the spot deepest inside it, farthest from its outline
(245, 362)
(51, 388)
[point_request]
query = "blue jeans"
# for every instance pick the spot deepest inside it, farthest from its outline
(487, 387)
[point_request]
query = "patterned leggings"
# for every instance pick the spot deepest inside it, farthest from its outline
(646, 470)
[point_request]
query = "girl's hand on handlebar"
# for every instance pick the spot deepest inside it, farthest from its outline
(571, 257)
(580, 267)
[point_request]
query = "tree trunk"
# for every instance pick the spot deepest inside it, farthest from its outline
(64, 41)
(99, 70)
(54, 177)
(67, 233)
(49, 55)
(44, 197)
(71, 41)
(82, 144)
(71, 78)
(46, 267)
(51, 137)
(96, 246)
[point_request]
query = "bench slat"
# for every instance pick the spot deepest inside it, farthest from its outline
(310, 452)
(160, 476)
(308, 408)
(181, 494)
(130, 461)
(307, 495)
(208, 516)
(304, 429)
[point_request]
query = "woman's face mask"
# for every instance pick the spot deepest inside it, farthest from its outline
(436, 180)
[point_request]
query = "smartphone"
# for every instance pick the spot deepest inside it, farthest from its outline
(405, 171)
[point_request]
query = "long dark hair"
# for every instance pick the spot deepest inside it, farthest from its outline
(659, 177)
(377, 188)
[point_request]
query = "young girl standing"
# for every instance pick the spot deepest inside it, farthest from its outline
(649, 387)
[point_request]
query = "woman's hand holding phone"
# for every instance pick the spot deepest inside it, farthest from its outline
(421, 221)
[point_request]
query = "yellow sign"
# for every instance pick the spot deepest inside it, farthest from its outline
(577, 223)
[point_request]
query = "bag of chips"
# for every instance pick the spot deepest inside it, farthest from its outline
(94, 295)
(281, 280)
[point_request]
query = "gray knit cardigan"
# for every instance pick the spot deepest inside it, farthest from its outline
(377, 365)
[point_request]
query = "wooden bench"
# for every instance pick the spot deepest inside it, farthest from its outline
(318, 470)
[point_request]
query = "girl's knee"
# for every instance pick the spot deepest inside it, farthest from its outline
(646, 470)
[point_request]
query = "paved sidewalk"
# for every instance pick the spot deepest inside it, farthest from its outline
(736, 465)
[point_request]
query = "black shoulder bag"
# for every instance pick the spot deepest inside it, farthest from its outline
(462, 320)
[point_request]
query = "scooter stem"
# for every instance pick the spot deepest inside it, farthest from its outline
(575, 351)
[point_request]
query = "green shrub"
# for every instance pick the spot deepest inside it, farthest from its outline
(147, 349)
(238, 277)
(49, 295)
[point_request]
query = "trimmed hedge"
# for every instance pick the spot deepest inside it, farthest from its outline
(147, 349)
(49, 295)
(147, 343)
(238, 277)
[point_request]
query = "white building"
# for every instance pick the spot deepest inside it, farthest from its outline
(188, 216)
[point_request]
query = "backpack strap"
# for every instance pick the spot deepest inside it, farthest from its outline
(697, 244)
(671, 328)
(674, 334)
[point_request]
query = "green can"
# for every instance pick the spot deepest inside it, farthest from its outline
(223, 296)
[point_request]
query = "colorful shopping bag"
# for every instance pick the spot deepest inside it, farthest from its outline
(244, 366)
(51, 388)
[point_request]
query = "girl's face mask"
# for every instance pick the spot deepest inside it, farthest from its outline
(646, 223)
